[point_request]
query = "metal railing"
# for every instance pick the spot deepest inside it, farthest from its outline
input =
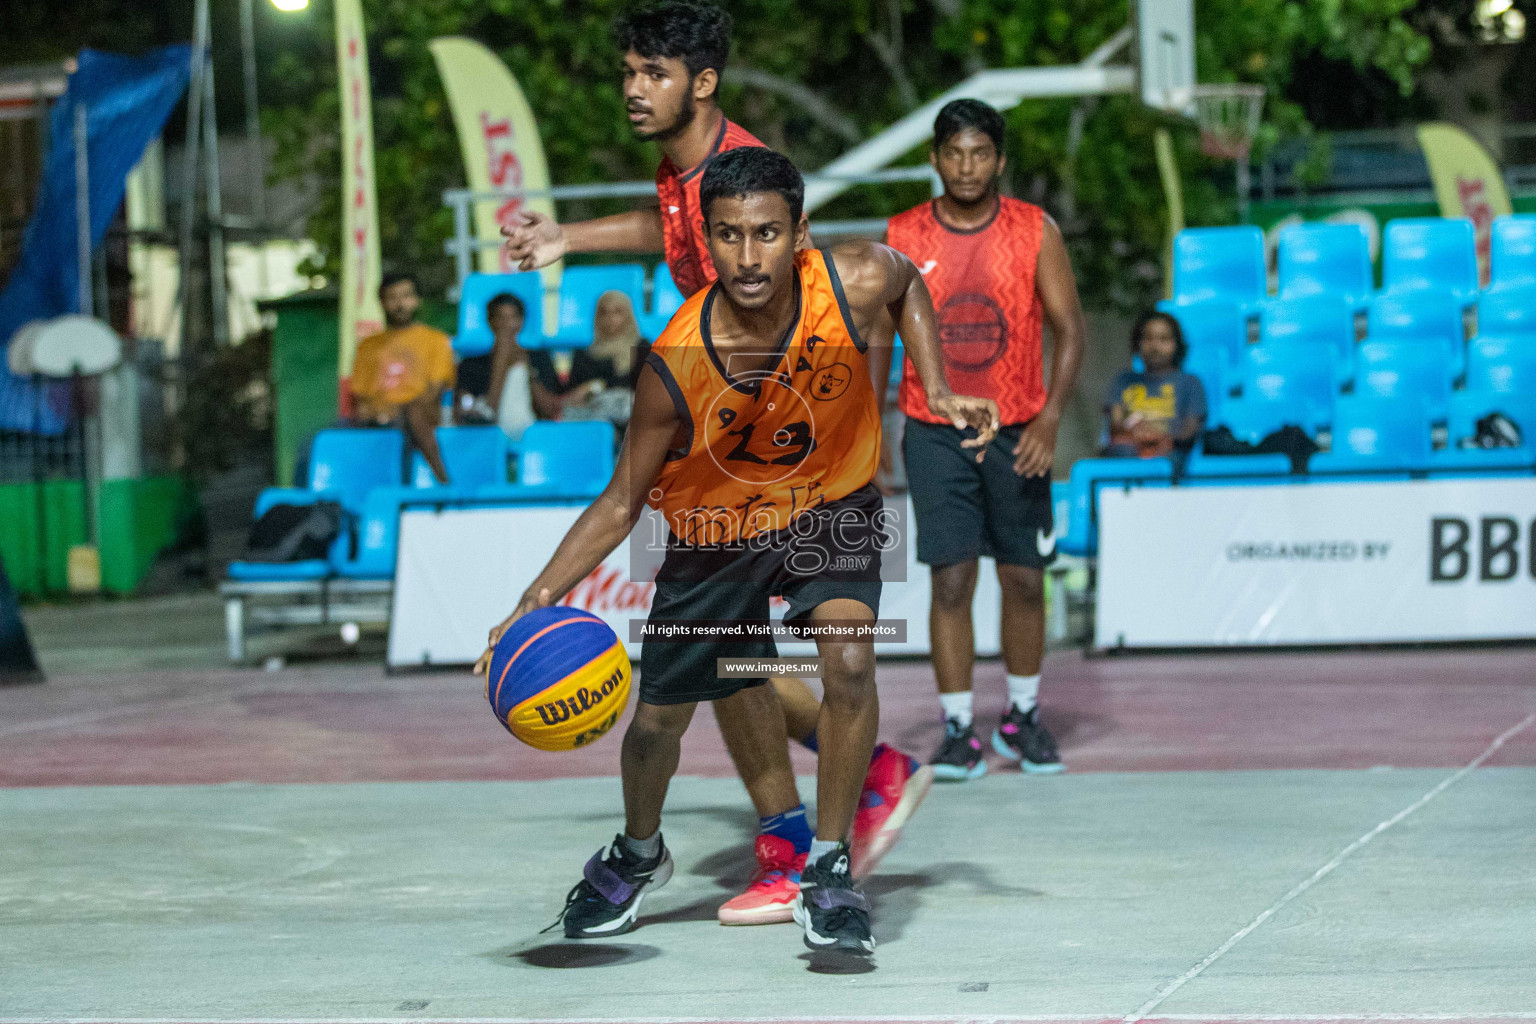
(464, 245)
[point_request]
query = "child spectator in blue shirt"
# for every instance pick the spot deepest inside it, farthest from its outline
(1159, 410)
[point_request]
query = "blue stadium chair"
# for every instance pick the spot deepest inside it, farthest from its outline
(1507, 309)
(1088, 476)
(1224, 263)
(346, 463)
(1423, 312)
(560, 460)
(378, 529)
(1325, 259)
(474, 336)
(1504, 363)
(1393, 369)
(1211, 368)
(1293, 373)
(1376, 433)
(1430, 252)
(345, 466)
(1213, 325)
(310, 569)
(1466, 408)
(1253, 419)
(665, 301)
(1236, 468)
(581, 287)
(1514, 250)
(475, 457)
(1424, 316)
(1316, 319)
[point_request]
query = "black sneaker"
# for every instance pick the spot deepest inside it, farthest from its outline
(833, 913)
(959, 755)
(607, 899)
(1023, 738)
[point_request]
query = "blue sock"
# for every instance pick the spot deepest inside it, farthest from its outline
(809, 742)
(790, 825)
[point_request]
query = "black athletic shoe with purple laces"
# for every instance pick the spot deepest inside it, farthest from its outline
(607, 899)
(834, 914)
(1022, 737)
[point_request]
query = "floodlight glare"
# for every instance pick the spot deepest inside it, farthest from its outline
(290, 5)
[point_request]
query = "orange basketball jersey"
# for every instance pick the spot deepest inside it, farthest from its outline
(761, 446)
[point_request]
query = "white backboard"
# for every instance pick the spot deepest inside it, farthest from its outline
(1165, 53)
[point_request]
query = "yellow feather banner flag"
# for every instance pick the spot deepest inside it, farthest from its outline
(500, 142)
(1467, 182)
(361, 314)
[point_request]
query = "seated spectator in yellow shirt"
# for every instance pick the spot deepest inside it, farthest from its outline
(399, 375)
(1160, 410)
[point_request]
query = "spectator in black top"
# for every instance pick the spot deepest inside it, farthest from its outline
(508, 386)
(602, 380)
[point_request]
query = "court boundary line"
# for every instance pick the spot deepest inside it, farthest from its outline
(1144, 1012)
(958, 1018)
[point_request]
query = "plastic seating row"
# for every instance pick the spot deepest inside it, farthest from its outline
(1417, 253)
(1372, 438)
(1426, 367)
(580, 288)
(360, 469)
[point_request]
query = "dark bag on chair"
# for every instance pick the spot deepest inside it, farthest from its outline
(297, 533)
(1290, 441)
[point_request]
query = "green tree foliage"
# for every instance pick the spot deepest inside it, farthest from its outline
(812, 78)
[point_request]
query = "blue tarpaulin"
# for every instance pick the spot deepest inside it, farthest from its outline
(127, 100)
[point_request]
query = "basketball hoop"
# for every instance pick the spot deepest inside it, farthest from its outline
(1228, 116)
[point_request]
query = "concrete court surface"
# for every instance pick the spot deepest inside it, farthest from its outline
(1281, 837)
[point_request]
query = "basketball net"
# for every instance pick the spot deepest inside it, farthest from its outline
(1228, 116)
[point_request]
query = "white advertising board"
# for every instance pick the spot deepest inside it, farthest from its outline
(461, 570)
(1317, 563)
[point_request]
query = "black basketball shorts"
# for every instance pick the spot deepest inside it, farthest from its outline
(963, 509)
(833, 554)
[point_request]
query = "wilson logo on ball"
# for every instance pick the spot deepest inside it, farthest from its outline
(559, 678)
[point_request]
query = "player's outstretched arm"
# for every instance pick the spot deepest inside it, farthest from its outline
(608, 520)
(537, 240)
(878, 281)
(1056, 288)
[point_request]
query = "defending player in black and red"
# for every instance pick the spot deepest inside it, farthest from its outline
(756, 433)
(674, 53)
(996, 268)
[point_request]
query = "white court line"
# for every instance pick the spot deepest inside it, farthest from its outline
(964, 1018)
(1145, 1010)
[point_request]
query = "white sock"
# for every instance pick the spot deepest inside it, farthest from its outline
(1024, 691)
(820, 848)
(957, 707)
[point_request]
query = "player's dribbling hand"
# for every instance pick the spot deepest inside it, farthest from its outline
(968, 411)
(529, 602)
(1036, 449)
(534, 240)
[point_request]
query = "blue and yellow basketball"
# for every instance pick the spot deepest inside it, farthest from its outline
(559, 678)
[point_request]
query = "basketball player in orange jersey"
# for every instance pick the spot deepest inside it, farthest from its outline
(996, 268)
(756, 433)
(673, 55)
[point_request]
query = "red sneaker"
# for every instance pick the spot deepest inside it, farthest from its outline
(770, 896)
(893, 787)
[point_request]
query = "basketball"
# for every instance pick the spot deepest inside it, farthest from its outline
(559, 678)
